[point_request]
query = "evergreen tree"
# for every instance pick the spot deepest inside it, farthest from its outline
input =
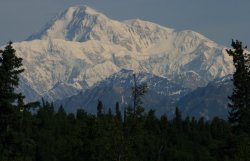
(118, 112)
(239, 114)
(10, 68)
(11, 104)
(100, 109)
(178, 118)
(138, 91)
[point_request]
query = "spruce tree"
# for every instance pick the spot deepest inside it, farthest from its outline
(239, 114)
(118, 113)
(100, 109)
(10, 68)
(177, 118)
(138, 91)
(11, 106)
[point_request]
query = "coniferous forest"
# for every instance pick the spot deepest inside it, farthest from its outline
(36, 132)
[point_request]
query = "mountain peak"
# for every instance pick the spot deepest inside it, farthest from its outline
(74, 24)
(82, 23)
(84, 9)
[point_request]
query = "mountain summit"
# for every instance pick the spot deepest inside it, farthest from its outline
(81, 47)
(82, 23)
(74, 24)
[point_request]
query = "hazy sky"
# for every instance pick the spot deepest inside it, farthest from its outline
(219, 20)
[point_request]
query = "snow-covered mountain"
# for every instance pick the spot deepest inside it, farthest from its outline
(81, 47)
(162, 94)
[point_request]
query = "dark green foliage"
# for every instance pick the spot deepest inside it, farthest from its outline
(138, 91)
(15, 119)
(9, 70)
(100, 109)
(177, 119)
(240, 100)
(239, 114)
(118, 113)
(56, 135)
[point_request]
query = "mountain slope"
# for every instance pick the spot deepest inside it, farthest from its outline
(162, 94)
(81, 47)
(209, 101)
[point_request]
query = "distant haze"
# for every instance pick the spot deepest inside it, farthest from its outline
(220, 21)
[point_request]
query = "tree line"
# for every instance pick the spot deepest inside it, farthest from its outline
(120, 134)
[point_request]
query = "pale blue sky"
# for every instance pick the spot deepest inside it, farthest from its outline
(219, 20)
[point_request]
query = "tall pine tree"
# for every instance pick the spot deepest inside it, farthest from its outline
(11, 103)
(138, 91)
(10, 66)
(239, 114)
